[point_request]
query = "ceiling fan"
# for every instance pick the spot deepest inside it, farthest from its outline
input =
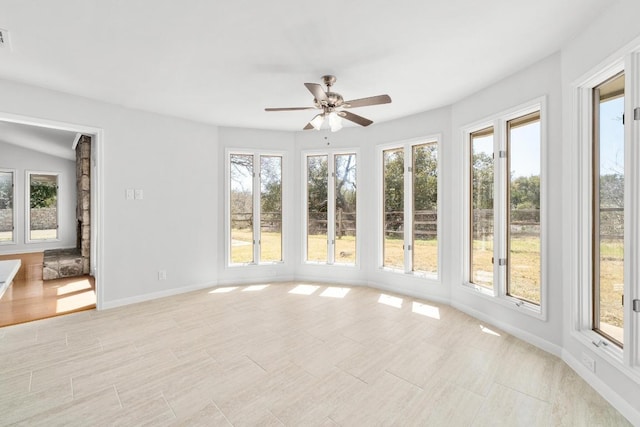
(333, 106)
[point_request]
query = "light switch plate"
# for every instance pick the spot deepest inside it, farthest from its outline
(128, 194)
(139, 194)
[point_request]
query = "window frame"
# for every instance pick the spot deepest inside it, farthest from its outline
(499, 292)
(627, 358)
(407, 147)
(595, 219)
(27, 188)
(14, 213)
(256, 196)
(331, 206)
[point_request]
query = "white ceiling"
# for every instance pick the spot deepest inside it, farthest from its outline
(224, 62)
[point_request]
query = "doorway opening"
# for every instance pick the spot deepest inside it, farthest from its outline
(60, 250)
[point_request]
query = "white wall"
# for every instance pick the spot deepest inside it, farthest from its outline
(540, 80)
(609, 33)
(174, 161)
(21, 160)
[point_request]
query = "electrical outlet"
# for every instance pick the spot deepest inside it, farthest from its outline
(162, 275)
(588, 362)
(138, 194)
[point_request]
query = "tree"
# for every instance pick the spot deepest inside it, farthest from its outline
(43, 194)
(425, 177)
(394, 181)
(525, 192)
(482, 181)
(317, 183)
(346, 182)
(6, 191)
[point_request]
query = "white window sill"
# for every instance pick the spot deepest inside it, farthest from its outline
(606, 349)
(512, 303)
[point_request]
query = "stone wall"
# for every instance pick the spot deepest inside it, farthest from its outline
(83, 209)
(6, 220)
(43, 218)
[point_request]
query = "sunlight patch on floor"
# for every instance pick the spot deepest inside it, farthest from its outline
(223, 290)
(333, 292)
(304, 289)
(80, 285)
(390, 301)
(75, 302)
(254, 288)
(426, 310)
(489, 331)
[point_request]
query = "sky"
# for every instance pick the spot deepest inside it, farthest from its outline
(611, 136)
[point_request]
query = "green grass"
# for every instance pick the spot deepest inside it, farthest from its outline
(425, 254)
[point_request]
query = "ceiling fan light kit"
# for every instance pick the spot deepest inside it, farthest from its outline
(333, 106)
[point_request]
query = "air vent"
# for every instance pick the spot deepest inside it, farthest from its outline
(4, 38)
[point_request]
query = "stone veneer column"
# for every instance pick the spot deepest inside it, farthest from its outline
(83, 178)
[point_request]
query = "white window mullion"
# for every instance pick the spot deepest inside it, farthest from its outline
(632, 210)
(331, 208)
(256, 208)
(408, 208)
(499, 207)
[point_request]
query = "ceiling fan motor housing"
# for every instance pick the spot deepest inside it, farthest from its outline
(334, 100)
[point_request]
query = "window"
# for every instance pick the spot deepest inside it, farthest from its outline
(505, 227)
(255, 208)
(393, 227)
(523, 208)
(7, 212)
(608, 155)
(410, 208)
(482, 207)
(331, 208)
(605, 273)
(42, 214)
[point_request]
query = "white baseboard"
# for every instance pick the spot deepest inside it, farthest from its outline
(254, 281)
(330, 280)
(155, 295)
(545, 345)
(629, 412)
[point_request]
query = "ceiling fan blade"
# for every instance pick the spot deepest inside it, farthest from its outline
(309, 126)
(372, 100)
(355, 118)
(290, 109)
(318, 93)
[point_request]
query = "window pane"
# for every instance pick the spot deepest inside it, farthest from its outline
(482, 208)
(317, 186)
(270, 208)
(345, 248)
(425, 208)
(523, 280)
(608, 248)
(393, 168)
(43, 207)
(241, 206)
(6, 206)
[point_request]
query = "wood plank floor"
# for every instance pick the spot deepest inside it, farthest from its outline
(285, 354)
(28, 299)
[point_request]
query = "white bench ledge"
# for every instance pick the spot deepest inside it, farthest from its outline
(8, 270)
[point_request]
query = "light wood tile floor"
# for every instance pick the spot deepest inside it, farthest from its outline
(285, 354)
(33, 299)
